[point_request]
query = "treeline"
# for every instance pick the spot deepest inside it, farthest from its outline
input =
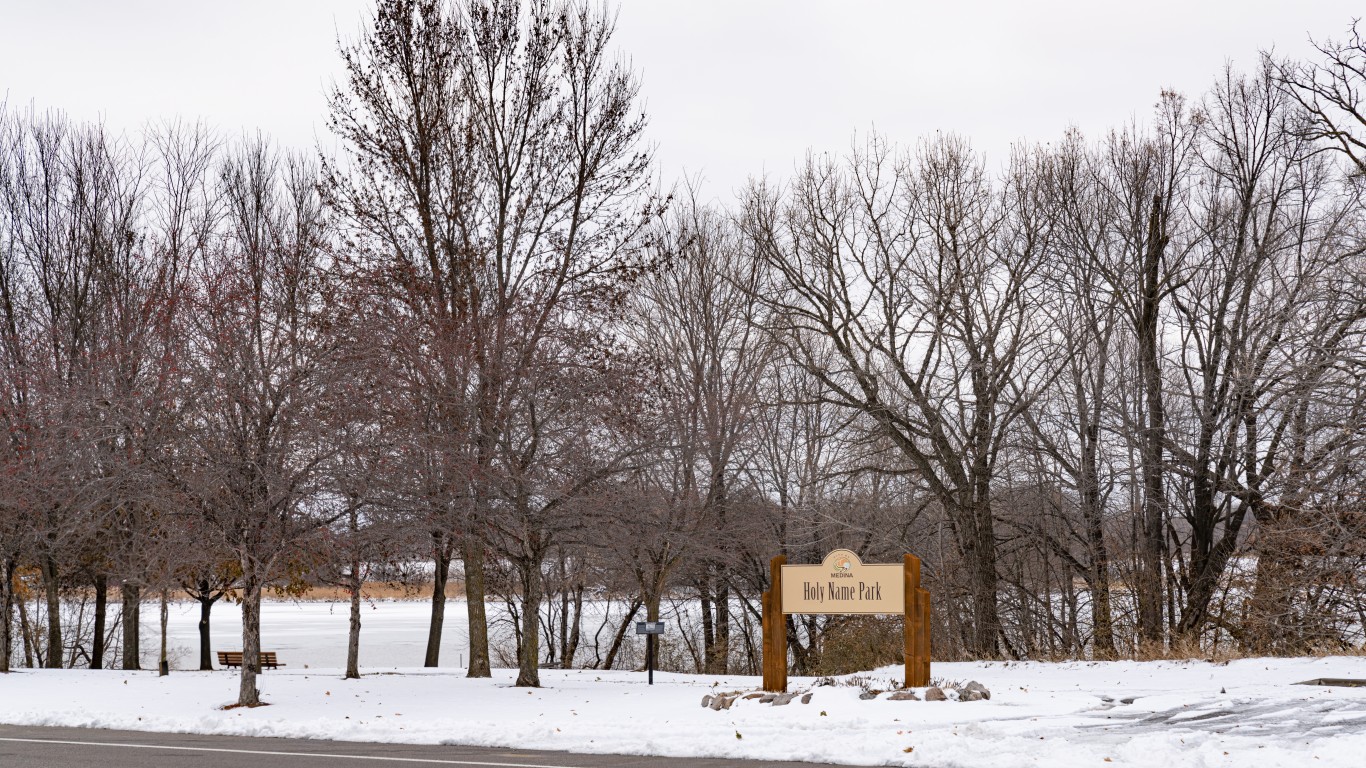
(1113, 395)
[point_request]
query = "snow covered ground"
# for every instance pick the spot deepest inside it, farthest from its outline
(1178, 713)
(1073, 714)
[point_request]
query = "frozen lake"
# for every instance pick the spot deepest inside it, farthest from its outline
(313, 634)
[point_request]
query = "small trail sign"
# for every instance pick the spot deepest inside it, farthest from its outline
(650, 629)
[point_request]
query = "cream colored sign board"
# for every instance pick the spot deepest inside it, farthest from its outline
(843, 584)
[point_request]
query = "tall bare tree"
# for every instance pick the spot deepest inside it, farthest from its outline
(905, 285)
(494, 178)
(1258, 312)
(695, 319)
(261, 362)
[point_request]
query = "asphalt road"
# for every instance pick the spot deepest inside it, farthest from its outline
(30, 747)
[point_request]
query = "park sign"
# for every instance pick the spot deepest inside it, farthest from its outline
(843, 584)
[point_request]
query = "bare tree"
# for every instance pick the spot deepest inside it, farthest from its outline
(495, 176)
(1069, 419)
(1259, 312)
(905, 286)
(697, 323)
(261, 362)
(71, 197)
(14, 396)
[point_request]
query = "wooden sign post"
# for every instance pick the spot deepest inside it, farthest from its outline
(775, 629)
(842, 584)
(917, 631)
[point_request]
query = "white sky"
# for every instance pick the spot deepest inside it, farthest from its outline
(733, 88)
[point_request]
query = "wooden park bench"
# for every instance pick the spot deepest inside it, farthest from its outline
(232, 659)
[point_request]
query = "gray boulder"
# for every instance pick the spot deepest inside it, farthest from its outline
(935, 693)
(976, 687)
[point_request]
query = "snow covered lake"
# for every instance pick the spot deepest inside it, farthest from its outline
(310, 634)
(313, 634)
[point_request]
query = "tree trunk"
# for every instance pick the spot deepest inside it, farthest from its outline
(528, 661)
(571, 648)
(721, 659)
(708, 625)
(983, 581)
(353, 635)
(1271, 613)
(54, 613)
(163, 661)
(472, 554)
(442, 559)
(205, 642)
(621, 634)
(247, 694)
(131, 595)
(101, 613)
(564, 613)
(752, 652)
(1154, 426)
(7, 568)
(804, 657)
(24, 634)
(1102, 624)
(1102, 617)
(987, 627)
(1271, 619)
(652, 601)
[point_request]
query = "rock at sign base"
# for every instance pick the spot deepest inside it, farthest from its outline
(867, 696)
(903, 696)
(976, 687)
(783, 699)
(935, 693)
(706, 700)
(806, 698)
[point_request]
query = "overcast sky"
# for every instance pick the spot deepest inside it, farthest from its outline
(733, 88)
